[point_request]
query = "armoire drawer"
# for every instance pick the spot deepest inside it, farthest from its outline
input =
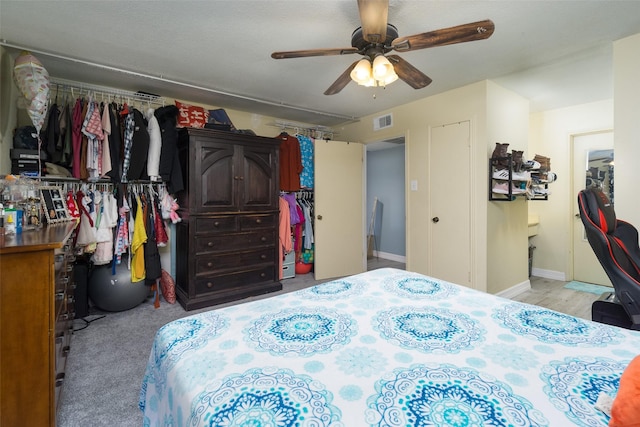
(205, 264)
(235, 241)
(256, 221)
(225, 281)
(217, 224)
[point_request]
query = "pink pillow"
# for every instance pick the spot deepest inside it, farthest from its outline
(191, 116)
(625, 410)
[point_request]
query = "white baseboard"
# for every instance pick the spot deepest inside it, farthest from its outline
(549, 274)
(391, 257)
(515, 290)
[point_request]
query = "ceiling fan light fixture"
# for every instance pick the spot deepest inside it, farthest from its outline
(382, 68)
(361, 73)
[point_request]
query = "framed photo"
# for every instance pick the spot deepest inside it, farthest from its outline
(53, 205)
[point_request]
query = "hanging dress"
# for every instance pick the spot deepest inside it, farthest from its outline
(137, 244)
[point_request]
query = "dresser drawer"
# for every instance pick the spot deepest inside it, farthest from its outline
(256, 221)
(205, 264)
(235, 241)
(217, 224)
(235, 279)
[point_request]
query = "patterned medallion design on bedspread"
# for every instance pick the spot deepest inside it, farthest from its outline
(184, 335)
(301, 331)
(335, 290)
(573, 386)
(445, 395)
(265, 397)
(428, 329)
(418, 287)
(553, 327)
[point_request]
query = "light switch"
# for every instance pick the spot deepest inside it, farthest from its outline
(414, 185)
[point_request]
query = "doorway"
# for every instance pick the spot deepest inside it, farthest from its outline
(385, 187)
(592, 166)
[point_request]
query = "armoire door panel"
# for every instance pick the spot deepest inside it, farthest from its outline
(217, 178)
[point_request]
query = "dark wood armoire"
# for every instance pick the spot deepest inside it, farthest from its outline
(226, 243)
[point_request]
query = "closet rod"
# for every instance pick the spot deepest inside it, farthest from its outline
(319, 131)
(56, 84)
(6, 43)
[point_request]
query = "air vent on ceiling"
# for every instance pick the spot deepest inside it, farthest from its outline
(383, 122)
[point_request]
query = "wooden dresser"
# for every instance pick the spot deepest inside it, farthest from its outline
(226, 244)
(36, 315)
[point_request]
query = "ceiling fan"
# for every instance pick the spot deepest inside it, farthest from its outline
(376, 37)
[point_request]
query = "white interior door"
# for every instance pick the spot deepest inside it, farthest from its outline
(586, 267)
(450, 200)
(339, 216)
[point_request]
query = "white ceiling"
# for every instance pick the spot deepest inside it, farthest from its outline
(556, 53)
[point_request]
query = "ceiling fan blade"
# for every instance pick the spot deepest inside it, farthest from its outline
(373, 16)
(408, 73)
(459, 34)
(313, 52)
(342, 81)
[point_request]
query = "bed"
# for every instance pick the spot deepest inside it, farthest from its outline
(383, 348)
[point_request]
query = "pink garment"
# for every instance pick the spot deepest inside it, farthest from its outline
(106, 129)
(285, 245)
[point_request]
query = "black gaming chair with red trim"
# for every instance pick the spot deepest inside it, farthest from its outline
(615, 243)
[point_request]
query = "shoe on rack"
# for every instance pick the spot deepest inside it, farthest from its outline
(540, 191)
(503, 188)
(515, 176)
(531, 165)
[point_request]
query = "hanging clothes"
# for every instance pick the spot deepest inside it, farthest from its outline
(169, 168)
(76, 131)
(138, 148)
(153, 269)
(284, 233)
(306, 153)
(115, 143)
(290, 162)
(137, 244)
(155, 145)
(107, 220)
(106, 150)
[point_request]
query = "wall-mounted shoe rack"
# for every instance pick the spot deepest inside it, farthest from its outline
(505, 185)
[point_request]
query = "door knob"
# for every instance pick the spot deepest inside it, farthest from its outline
(435, 219)
(319, 217)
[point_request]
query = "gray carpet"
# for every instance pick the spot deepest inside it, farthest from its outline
(108, 359)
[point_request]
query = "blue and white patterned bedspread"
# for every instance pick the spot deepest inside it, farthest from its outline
(383, 348)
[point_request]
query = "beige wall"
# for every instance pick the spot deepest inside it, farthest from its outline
(626, 75)
(507, 245)
(550, 135)
(496, 114)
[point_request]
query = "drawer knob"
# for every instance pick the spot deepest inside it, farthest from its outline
(263, 275)
(263, 239)
(209, 285)
(59, 296)
(65, 350)
(263, 256)
(210, 244)
(258, 221)
(209, 264)
(216, 224)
